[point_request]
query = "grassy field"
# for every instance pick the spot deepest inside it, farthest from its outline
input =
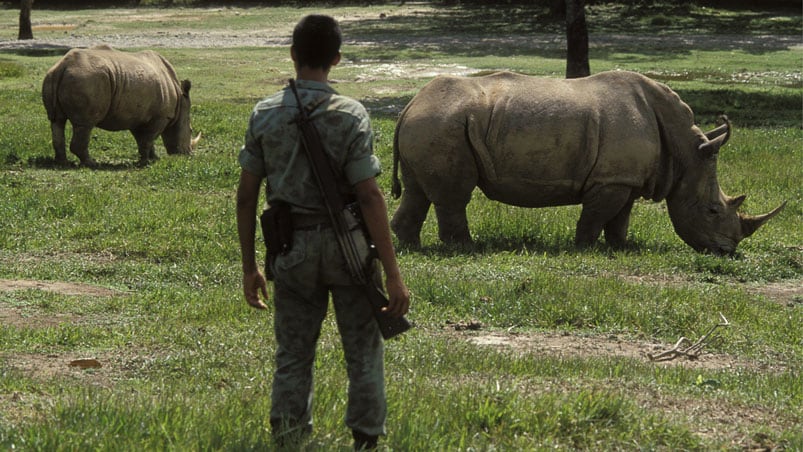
(521, 342)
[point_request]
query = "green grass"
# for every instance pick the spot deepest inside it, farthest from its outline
(187, 365)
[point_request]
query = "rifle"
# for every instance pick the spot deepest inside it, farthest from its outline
(357, 247)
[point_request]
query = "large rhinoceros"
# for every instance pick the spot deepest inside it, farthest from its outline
(601, 141)
(113, 90)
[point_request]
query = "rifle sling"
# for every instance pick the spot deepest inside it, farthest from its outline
(327, 183)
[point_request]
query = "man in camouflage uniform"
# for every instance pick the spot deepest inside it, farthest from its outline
(314, 266)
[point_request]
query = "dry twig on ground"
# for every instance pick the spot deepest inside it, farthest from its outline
(692, 351)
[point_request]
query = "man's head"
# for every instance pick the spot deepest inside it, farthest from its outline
(316, 42)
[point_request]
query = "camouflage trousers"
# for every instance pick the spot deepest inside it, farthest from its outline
(304, 278)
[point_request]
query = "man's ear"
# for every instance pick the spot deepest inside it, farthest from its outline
(293, 53)
(336, 60)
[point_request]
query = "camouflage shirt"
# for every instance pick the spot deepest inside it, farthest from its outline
(273, 148)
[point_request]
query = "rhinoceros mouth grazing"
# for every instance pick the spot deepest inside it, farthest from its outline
(718, 246)
(721, 249)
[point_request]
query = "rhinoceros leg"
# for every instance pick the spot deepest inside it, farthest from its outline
(448, 188)
(59, 143)
(605, 207)
(147, 150)
(452, 223)
(616, 228)
(449, 209)
(79, 144)
(450, 192)
(410, 216)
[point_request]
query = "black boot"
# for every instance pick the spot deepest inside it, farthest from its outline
(363, 441)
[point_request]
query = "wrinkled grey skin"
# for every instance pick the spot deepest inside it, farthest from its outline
(113, 90)
(601, 141)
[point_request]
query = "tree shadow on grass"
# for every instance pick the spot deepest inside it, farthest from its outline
(387, 107)
(746, 109)
(33, 48)
(774, 108)
(531, 244)
(530, 30)
(50, 163)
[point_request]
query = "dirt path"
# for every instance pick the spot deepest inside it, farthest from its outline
(223, 39)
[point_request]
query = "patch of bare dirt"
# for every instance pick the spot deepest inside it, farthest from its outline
(566, 345)
(787, 293)
(63, 288)
(54, 27)
(96, 369)
(574, 346)
(24, 318)
(740, 424)
(394, 71)
(718, 420)
(11, 316)
(92, 369)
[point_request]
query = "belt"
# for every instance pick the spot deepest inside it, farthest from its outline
(305, 222)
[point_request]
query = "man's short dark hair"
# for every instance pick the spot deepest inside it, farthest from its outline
(316, 41)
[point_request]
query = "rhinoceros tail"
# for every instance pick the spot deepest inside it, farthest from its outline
(50, 87)
(49, 96)
(396, 188)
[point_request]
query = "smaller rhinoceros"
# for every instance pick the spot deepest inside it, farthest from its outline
(601, 141)
(113, 90)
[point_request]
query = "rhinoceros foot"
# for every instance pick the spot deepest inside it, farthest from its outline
(89, 163)
(453, 224)
(63, 162)
(408, 237)
(143, 162)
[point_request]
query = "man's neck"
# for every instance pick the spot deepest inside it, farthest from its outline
(315, 75)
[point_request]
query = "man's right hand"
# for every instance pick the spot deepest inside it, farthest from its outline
(398, 297)
(254, 283)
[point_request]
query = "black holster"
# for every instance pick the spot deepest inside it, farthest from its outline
(277, 231)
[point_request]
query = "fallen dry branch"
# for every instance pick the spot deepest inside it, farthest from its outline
(693, 350)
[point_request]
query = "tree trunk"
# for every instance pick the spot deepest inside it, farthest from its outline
(557, 9)
(26, 32)
(576, 40)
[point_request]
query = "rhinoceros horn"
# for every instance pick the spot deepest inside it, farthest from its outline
(194, 141)
(751, 223)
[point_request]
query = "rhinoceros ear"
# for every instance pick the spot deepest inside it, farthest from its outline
(725, 129)
(716, 138)
(734, 203)
(711, 148)
(185, 87)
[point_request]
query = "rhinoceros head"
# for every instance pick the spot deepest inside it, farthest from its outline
(702, 215)
(717, 227)
(177, 137)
